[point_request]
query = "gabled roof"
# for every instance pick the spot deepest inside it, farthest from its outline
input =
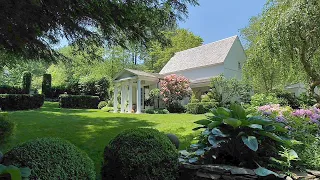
(205, 55)
(142, 73)
(132, 73)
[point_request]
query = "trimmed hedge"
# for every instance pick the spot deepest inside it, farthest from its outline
(78, 101)
(140, 154)
(51, 158)
(11, 102)
(200, 108)
(46, 85)
(5, 89)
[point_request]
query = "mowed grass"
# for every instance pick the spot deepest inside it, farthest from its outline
(91, 130)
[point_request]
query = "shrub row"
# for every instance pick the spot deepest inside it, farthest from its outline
(134, 154)
(79, 101)
(200, 107)
(157, 111)
(11, 102)
(94, 88)
(5, 89)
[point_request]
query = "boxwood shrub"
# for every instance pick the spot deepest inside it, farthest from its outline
(51, 158)
(138, 154)
(6, 127)
(11, 102)
(79, 101)
(102, 104)
(200, 108)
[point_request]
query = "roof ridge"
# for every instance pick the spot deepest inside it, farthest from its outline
(235, 36)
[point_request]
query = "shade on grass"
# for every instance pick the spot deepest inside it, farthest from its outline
(91, 130)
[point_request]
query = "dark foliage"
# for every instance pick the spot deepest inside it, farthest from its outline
(12, 102)
(79, 101)
(5, 89)
(200, 107)
(29, 28)
(46, 85)
(6, 128)
(96, 88)
(140, 154)
(307, 100)
(176, 108)
(93, 88)
(26, 82)
(51, 158)
(288, 98)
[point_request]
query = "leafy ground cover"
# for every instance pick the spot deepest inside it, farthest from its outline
(91, 129)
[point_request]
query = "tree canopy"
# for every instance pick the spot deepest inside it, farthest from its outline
(31, 28)
(181, 39)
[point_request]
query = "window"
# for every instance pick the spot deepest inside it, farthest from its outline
(239, 65)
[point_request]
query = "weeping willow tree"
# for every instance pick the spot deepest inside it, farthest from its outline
(284, 44)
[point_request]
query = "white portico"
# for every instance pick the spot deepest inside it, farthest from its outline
(133, 87)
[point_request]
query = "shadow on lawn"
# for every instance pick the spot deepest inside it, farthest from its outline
(89, 132)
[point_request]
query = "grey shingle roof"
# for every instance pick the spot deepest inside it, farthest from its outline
(205, 55)
(142, 73)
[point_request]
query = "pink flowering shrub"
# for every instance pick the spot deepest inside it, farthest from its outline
(174, 88)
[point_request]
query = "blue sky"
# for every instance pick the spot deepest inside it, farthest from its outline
(218, 19)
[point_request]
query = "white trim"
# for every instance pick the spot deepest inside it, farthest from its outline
(125, 79)
(122, 98)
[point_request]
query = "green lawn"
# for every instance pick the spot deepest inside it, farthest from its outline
(91, 130)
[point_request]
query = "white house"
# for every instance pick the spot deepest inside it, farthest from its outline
(198, 64)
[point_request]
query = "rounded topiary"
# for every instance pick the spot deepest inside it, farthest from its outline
(51, 158)
(102, 104)
(140, 154)
(6, 127)
(174, 139)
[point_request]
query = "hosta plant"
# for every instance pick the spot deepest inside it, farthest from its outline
(230, 137)
(13, 172)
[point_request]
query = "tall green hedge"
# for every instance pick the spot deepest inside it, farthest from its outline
(51, 158)
(11, 102)
(78, 101)
(46, 85)
(26, 82)
(140, 154)
(200, 107)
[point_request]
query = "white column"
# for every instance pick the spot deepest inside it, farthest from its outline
(130, 97)
(115, 99)
(122, 98)
(138, 96)
(125, 92)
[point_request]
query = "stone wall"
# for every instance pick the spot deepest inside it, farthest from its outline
(225, 172)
